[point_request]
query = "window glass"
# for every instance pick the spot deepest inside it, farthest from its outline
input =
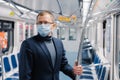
(62, 33)
(58, 33)
(72, 33)
(108, 36)
(3, 41)
(6, 35)
(104, 30)
(21, 38)
(31, 30)
(26, 32)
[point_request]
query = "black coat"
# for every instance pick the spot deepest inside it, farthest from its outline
(35, 61)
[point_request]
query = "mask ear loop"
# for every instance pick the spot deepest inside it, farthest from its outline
(55, 25)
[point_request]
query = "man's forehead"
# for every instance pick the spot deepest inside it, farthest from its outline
(45, 17)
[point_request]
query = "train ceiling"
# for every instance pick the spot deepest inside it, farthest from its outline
(66, 8)
(59, 7)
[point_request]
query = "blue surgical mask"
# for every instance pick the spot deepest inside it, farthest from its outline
(43, 29)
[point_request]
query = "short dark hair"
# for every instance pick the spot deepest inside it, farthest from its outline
(42, 13)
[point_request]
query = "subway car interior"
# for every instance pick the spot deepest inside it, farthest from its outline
(89, 30)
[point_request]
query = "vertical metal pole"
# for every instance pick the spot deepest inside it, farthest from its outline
(79, 57)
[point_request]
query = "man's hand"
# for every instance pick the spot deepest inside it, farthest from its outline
(77, 69)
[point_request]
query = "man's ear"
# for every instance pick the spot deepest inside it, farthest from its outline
(54, 25)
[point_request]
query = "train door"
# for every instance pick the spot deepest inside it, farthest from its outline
(6, 36)
(61, 33)
(28, 31)
(72, 33)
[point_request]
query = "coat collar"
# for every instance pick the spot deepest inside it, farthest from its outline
(40, 38)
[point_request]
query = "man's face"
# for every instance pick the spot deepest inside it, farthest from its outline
(46, 19)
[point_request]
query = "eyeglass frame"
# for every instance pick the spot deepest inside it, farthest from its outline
(44, 22)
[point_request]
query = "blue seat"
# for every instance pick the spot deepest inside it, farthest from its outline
(14, 62)
(86, 77)
(87, 72)
(92, 72)
(6, 64)
(11, 79)
(87, 68)
(14, 66)
(85, 43)
(99, 71)
(103, 74)
(9, 67)
(15, 74)
(96, 59)
(86, 46)
(86, 57)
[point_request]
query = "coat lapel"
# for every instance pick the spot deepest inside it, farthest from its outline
(45, 50)
(57, 51)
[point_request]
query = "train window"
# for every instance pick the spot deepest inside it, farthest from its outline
(108, 36)
(3, 41)
(31, 30)
(27, 32)
(6, 36)
(21, 36)
(118, 42)
(104, 29)
(72, 33)
(58, 32)
(62, 33)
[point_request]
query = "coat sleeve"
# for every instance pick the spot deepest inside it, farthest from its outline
(65, 67)
(25, 62)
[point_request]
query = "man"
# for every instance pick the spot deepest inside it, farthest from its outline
(43, 56)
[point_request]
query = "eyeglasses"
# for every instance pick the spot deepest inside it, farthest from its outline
(44, 22)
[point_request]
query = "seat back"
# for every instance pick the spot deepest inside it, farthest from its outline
(13, 61)
(104, 73)
(6, 66)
